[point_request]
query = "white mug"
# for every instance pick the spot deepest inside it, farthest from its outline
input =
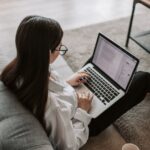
(130, 146)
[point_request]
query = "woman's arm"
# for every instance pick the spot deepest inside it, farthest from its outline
(67, 133)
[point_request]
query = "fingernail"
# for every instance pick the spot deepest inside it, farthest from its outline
(83, 78)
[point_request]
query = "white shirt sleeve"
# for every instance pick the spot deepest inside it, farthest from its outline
(66, 133)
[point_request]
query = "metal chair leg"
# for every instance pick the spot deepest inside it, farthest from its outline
(130, 24)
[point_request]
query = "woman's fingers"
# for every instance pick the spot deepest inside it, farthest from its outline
(85, 100)
(84, 74)
(90, 96)
(83, 77)
(85, 95)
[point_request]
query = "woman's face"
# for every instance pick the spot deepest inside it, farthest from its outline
(55, 54)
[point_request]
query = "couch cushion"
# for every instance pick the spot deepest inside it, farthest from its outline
(19, 129)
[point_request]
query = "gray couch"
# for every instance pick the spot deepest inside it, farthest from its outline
(19, 130)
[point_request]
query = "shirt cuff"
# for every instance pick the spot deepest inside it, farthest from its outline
(82, 116)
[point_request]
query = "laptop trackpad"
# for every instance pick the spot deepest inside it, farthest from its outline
(97, 107)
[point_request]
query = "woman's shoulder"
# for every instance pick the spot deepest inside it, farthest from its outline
(55, 74)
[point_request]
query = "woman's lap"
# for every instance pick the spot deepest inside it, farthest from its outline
(136, 93)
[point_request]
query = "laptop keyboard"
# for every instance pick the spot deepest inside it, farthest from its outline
(100, 88)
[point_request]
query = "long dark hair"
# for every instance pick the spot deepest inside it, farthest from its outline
(27, 75)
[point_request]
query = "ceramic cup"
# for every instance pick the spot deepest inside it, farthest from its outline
(130, 146)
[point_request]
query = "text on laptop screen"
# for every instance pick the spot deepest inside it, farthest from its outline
(114, 62)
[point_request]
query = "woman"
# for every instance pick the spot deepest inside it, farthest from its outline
(62, 112)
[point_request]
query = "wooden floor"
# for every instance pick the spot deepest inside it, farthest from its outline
(70, 13)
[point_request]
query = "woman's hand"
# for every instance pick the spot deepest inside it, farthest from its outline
(78, 78)
(84, 101)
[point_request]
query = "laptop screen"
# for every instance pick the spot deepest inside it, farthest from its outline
(114, 61)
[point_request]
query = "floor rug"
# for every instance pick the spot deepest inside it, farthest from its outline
(134, 126)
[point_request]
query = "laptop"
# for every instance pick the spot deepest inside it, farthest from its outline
(111, 70)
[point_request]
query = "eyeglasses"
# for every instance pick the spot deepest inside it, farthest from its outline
(62, 49)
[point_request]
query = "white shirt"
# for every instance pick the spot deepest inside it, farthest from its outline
(67, 124)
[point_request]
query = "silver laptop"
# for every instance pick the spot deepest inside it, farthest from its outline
(111, 69)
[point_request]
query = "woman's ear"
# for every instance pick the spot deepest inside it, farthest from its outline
(53, 56)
